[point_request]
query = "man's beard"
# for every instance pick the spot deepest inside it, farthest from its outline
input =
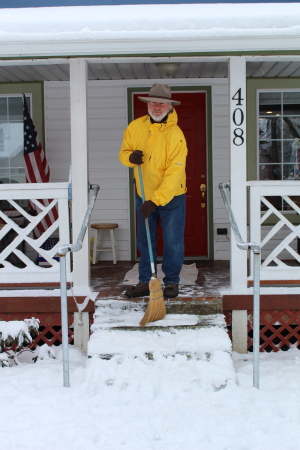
(158, 118)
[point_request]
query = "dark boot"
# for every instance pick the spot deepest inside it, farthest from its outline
(140, 290)
(171, 290)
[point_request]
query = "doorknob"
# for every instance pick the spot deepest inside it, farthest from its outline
(203, 190)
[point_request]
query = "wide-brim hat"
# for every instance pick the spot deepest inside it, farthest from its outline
(160, 93)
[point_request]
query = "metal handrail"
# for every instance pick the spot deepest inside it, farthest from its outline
(63, 250)
(256, 279)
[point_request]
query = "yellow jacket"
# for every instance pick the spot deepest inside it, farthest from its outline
(165, 151)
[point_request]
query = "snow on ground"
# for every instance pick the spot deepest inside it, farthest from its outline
(136, 403)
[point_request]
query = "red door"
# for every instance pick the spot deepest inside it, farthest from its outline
(192, 121)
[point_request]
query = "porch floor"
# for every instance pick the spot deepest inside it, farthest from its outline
(213, 276)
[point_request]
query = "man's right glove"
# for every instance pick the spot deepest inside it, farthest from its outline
(147, 208)
(136, 157)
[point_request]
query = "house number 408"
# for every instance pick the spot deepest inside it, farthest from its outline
(238, 119)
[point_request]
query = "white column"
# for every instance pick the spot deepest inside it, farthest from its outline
(238, 176)
(79, 152)
(239, 331)
(81, 330)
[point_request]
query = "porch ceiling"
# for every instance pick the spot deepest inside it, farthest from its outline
(146, 70)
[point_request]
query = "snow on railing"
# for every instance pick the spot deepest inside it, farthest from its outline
(26, 257)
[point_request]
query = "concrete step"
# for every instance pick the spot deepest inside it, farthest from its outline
(128, 313)
(115, 315)
(135, 308)
(187, 342)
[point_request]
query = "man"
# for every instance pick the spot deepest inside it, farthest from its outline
(156, 142)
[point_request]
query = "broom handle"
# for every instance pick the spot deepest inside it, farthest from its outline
(146, 222)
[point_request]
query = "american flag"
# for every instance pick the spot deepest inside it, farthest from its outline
(36, 168)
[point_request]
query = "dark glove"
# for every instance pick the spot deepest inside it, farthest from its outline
(147, 208)
(136, 157)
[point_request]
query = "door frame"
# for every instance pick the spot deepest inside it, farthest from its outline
(182, 89)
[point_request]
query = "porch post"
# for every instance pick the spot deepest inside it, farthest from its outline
(238, 178)
(79, 152)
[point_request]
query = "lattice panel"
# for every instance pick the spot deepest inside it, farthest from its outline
(279, 330)
(27, 222)
(49, 330)
(279, 242)
(292, 231)
(21, 228)
(228, 320)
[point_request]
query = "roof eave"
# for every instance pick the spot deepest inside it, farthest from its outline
(76, 48)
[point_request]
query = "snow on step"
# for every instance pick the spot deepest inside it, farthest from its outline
(116, 313)
(199, 355)
(200, 342)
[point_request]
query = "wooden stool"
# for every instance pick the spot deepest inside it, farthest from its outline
(104, 226)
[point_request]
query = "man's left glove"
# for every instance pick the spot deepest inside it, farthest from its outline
(147, 208)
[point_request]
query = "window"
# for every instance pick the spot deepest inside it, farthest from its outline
(279, 135)
(279, 139)
(12, 168)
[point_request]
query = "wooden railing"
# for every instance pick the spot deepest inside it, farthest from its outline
(21, 248)
(279, 244)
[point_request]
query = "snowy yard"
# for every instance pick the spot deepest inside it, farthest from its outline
(137, 403)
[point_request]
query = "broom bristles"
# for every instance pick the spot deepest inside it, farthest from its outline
(156, 309)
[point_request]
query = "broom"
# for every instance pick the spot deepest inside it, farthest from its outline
(156, 309)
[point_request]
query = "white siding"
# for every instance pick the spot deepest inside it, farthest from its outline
(57, 129)
(107, 119)
(221, 168)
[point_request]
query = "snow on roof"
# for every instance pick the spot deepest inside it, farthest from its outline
(108, 22)
(151, 23)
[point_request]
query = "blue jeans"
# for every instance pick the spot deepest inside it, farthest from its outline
(172, 221)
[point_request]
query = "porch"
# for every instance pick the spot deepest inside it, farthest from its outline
(213, 276)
